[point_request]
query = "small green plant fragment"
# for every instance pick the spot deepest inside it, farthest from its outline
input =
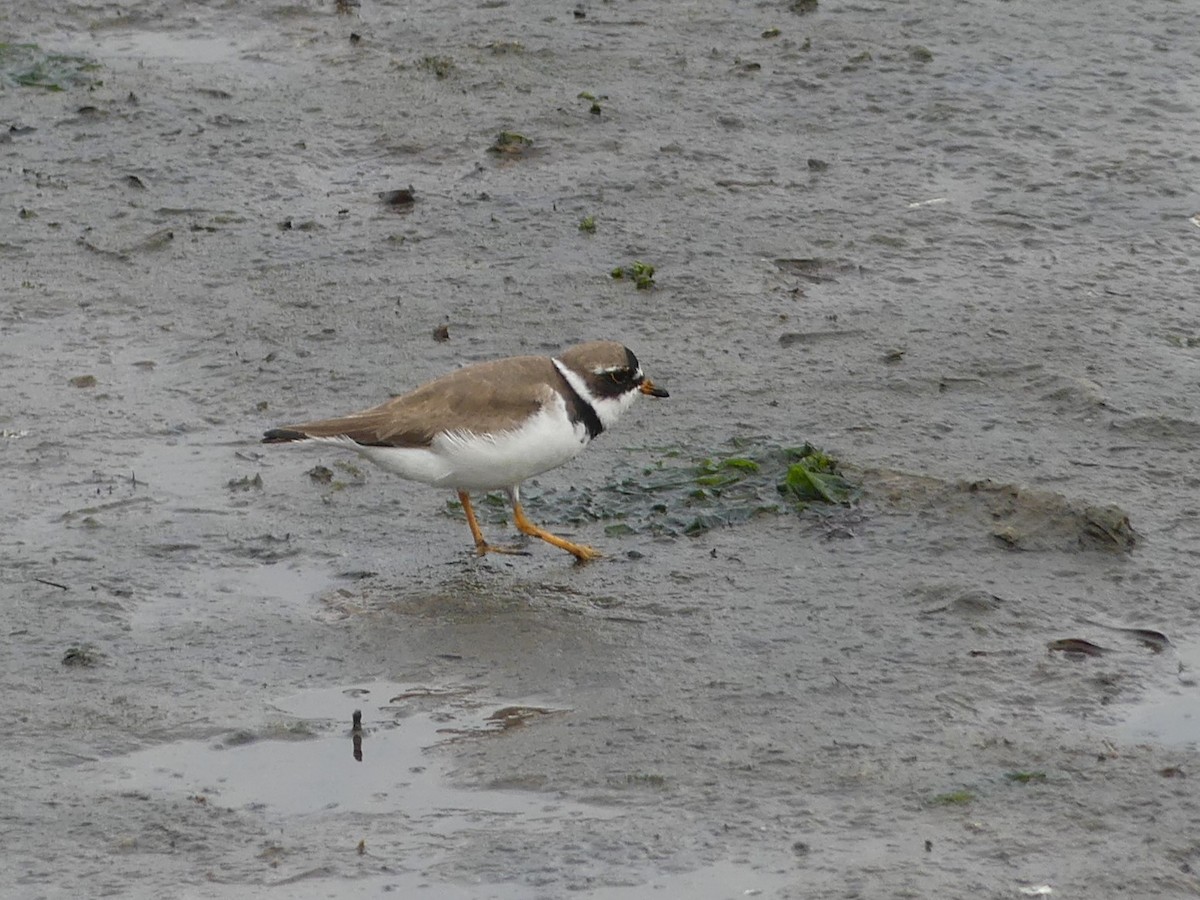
(511, 143)
(640, 273)
(320, 474)
(439, 66)
(588, 224)
(803, 7)
(657, 781)
(355, 476)
(246, 483)
(504, 48)
(772, 33)
(351, 469)
(28, 65)
(737, 462)
(953, 798)
(1025, 777)
(920, 54)
(595, 109)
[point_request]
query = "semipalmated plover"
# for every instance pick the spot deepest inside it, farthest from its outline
(491, 425)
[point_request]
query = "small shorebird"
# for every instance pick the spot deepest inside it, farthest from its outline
(491, 425)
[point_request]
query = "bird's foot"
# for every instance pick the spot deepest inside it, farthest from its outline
(582, 552)
(485, 548)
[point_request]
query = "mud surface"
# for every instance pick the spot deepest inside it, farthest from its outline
(951, 244)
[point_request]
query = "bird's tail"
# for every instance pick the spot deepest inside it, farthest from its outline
(283, 436)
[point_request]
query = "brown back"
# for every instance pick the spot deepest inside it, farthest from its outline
(484, 398)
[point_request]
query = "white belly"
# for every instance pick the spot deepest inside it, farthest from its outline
(489, 462)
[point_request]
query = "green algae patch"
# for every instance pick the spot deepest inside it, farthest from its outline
(953, 798)
(1026, 777)
(681, 493)
(28, 65)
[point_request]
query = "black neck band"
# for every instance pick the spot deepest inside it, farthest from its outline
(581, 410)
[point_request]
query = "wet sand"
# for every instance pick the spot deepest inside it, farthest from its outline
(949, 244)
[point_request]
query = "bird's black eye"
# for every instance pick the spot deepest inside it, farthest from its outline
(620, 376)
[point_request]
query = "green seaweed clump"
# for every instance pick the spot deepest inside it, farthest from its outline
(640, 273)
(814, 477)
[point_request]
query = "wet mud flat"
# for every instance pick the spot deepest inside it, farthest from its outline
(920, 239)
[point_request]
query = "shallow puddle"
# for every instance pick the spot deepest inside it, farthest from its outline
(720, 881)
(1170, 714)
(314, 763)
(716, 882)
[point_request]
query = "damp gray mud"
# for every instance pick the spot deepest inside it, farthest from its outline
(953, 245)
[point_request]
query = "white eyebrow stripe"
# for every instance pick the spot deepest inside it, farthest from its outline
(607, 370)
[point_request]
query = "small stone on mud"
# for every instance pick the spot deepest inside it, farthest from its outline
(400, 197)
(85, 656)
(511, 143)
(1077, 647)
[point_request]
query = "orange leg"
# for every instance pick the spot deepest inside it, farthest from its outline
(482, 547)
(581, 552)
